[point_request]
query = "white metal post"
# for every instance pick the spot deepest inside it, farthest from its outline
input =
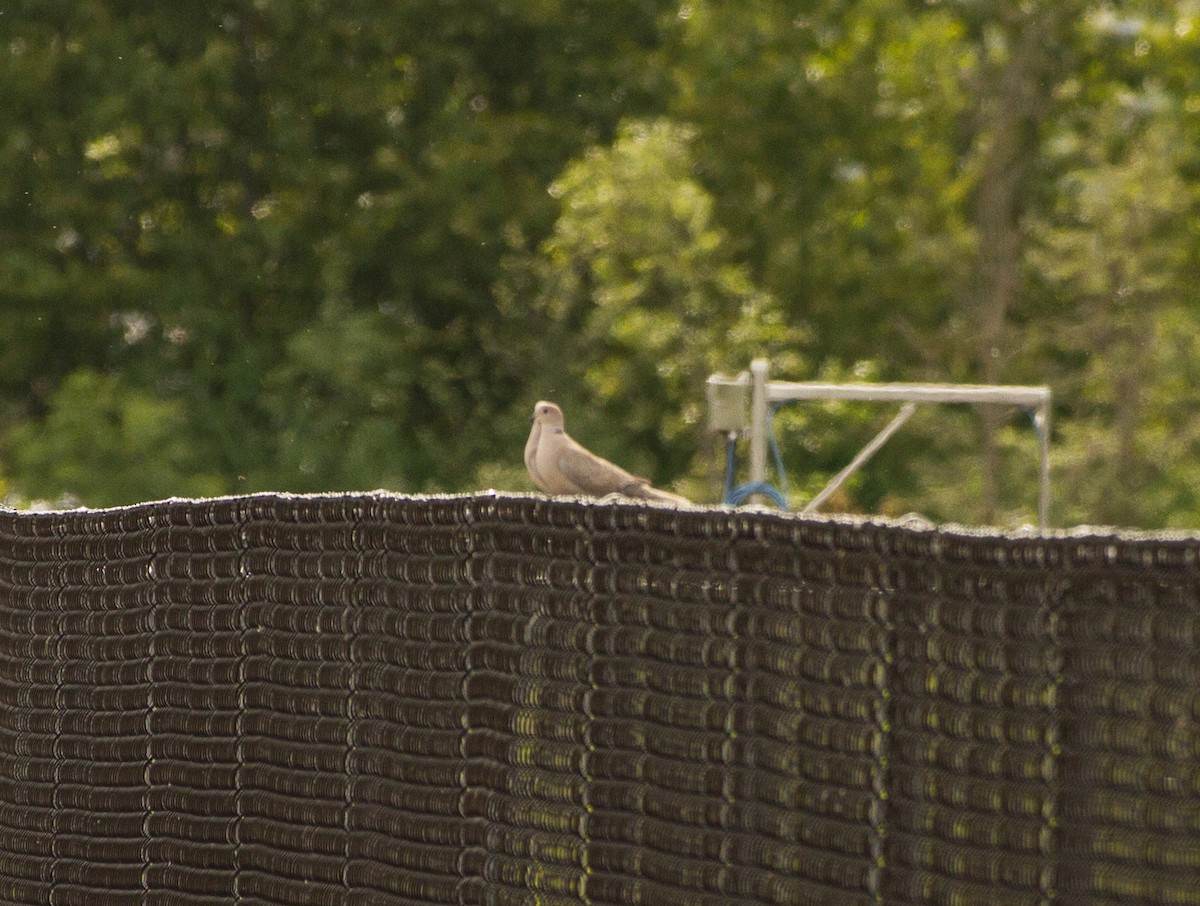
(1042, 422)
(758, 420)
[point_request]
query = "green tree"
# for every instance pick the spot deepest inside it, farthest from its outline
(1117, 248)
(187, 196)
(108, 443)
(642, 297)
(316, 241)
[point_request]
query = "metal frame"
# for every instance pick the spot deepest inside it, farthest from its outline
(764, 392)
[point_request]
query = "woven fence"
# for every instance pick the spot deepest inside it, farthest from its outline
(508, 700)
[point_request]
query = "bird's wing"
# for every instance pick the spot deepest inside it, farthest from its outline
(591, 473)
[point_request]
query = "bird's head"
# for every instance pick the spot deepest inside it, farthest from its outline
(548, 415)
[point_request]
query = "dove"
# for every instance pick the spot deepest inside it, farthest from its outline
(560, 465)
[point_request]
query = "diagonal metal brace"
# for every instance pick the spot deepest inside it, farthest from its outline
(864, 454)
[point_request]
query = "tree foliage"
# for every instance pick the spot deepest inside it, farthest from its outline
(642, 297)
(315, 246)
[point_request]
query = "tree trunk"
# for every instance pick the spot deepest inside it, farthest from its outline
(999, 268)
(1014, 94)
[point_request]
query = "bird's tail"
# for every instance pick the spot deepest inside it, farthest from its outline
(643, 490)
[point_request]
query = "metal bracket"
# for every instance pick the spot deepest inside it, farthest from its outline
(864, 454)
(762, 393)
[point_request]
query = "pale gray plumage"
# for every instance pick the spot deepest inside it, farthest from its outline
(559, 465)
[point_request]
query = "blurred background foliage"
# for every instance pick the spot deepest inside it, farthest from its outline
(314, 246)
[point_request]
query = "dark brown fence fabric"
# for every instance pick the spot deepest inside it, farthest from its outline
(507, 700)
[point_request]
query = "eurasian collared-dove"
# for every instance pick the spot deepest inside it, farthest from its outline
(559, 465)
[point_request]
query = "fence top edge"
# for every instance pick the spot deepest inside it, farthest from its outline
(911, 526)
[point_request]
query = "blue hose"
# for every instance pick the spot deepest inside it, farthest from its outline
(742, 492)
(736, 496)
